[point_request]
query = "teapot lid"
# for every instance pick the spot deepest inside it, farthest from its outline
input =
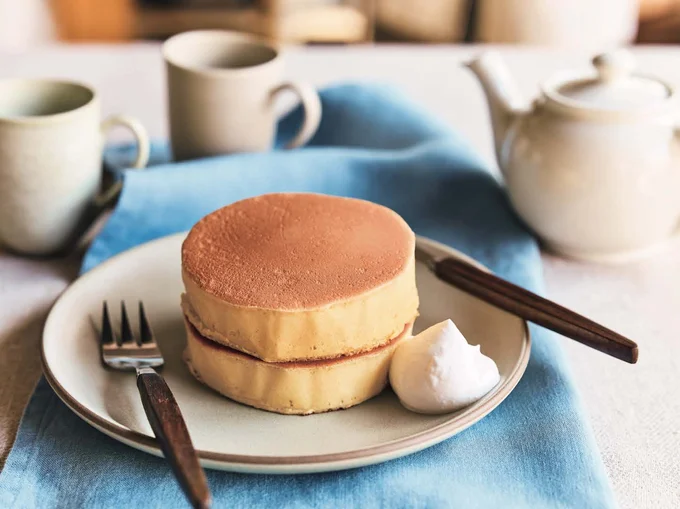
(615, 88)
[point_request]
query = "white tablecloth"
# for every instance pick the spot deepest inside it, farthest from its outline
(635, 410)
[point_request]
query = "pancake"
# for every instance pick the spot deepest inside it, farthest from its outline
(290, 387)
(295, 276)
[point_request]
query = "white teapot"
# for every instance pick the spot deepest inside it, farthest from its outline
(593, 164)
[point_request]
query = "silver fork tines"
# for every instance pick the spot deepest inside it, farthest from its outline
(126, 351)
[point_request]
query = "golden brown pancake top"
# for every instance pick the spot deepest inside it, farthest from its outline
(296, 250)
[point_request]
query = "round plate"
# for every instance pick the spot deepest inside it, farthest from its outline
(231, 436)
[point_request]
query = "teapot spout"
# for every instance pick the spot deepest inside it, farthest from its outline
(505, 101)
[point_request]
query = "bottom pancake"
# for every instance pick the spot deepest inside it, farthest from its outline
(290, 387)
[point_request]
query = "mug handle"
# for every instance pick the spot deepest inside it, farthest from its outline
(104, 198)
(311, 104)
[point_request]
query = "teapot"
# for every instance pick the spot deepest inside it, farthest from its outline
(593, 164)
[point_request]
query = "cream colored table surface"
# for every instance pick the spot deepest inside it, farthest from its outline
(634, 410)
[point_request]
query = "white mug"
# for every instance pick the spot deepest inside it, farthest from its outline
(51, 144)
(221, 90)
(593, 24)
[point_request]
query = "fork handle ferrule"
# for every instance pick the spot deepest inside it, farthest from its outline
(171, 432)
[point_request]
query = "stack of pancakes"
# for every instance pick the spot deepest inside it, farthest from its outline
(295, 302)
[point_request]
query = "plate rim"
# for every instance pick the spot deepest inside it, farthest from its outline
(283, 464)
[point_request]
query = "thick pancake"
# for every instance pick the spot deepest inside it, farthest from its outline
(290, 387)
(296, 276)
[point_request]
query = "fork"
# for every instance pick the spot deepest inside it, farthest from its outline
(141, 354)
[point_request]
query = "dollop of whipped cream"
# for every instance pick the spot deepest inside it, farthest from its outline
(437, 371)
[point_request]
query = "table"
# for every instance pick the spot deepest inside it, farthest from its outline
(634, 410)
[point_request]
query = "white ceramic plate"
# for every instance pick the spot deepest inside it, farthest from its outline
(235, 437)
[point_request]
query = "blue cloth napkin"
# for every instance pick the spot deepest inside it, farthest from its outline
(535, 450)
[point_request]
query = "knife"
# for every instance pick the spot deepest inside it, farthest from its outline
(527, 305)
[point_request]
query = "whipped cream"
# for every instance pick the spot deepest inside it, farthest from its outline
(437, 371)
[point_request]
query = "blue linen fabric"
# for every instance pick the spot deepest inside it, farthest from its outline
(536, 450)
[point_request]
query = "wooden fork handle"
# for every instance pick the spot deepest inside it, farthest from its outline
(171, 432)
(534, 308)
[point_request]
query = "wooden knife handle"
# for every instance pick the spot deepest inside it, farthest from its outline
(534, 308)
(171, 432)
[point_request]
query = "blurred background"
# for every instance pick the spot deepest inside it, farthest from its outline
(580, 23)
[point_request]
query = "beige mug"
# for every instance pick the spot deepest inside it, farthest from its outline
(593, 24)
(51, 145)
(221, 89)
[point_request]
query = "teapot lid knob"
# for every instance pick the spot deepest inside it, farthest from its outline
(614, 65)
(616, 89)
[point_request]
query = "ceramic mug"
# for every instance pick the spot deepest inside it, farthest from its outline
(51, 144)
(221, 89)
(593, 24)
